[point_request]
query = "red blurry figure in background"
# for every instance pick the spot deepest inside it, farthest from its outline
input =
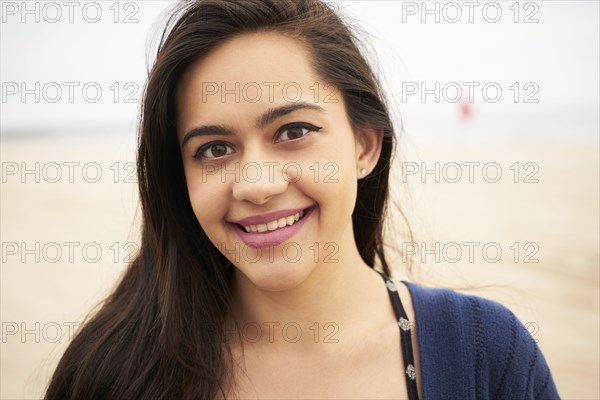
(465, 108)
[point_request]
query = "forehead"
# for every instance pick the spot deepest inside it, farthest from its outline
(255, 57)
(247, 73)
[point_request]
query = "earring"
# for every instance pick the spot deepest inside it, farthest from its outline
(363, 171)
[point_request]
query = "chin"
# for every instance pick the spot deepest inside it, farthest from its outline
(275, 278)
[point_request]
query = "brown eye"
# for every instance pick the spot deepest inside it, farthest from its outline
(212, 151)
(297, 131)
(218, 150)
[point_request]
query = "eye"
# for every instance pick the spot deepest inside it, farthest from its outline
(212, 150)
(297, 130)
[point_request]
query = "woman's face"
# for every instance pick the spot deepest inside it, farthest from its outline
(263, 139)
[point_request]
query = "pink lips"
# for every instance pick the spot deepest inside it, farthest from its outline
(270, 238)
(268, 217)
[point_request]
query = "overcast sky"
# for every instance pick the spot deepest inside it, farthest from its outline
(549, 49)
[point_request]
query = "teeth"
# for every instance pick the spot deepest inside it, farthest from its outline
(276, 224)
(272, 225)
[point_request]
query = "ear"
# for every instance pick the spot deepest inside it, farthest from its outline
(368, 148)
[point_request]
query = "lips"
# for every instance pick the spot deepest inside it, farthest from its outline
(265, 218)
(275, 236)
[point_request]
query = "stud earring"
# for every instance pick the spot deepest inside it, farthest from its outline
(363, 171)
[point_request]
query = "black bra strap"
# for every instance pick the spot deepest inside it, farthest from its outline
(405, 338)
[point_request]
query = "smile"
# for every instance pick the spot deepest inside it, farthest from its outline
(274, 232)
(275, 224)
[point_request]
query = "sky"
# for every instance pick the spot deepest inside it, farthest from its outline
(80, 66)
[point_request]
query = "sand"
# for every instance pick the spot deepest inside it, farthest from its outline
(551, 282)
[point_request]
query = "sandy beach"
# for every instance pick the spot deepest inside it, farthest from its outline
(68, 228)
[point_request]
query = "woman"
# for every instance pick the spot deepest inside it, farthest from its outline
(263, 163)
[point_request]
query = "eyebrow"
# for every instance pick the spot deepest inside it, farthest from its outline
(263, 120)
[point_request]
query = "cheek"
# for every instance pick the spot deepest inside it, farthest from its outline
(331, 180)
(342, 166)
(344, 189)
(207, 196)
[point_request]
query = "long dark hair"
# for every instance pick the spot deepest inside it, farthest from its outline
(160, 334)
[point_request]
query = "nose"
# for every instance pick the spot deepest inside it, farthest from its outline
(259, 180)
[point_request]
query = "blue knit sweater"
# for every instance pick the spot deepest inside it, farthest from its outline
(474, 348)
